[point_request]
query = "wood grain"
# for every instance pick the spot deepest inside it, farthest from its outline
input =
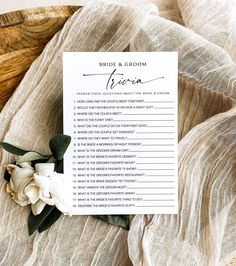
(23, 36)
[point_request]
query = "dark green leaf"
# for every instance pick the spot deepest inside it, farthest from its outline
(120, 220)
(7, 176)
(35, 221)
(59, 145)
(13, 149)
(50, 220)
(59, 166)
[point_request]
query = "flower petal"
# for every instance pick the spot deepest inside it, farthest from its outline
(21, 176)
(49, 201)
(21, 201)
(32, 192)
(20, 179)
(8, 188)
(59, 185)
(60, 190)
(38, 207)
(10, 167)
(44, 169)
(43, 183)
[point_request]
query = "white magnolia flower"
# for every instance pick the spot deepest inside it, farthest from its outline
(53, 188)
(40, 187)
(20, 178)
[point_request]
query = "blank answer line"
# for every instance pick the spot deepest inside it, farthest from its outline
(141, 169)
(160, 175)
(150, 157)
(151, 138)
(166, 108)
(154, 163)
(157, 206)
(158, 145)
(144, 120)
(161, 126)
(152, 151)
(155, 132)
(141, 120)
(150, 114)
(155, 181)
(159, 200)
(151, 187)
(159, 101)
(153, 194)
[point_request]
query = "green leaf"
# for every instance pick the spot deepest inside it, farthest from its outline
(59, 166)
(32, 156)
(7, 176)
(13, 149)
(50, 220)
(35, 221)
(59, 145)
(120, 220)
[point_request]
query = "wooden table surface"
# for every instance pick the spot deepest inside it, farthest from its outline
(23, 36)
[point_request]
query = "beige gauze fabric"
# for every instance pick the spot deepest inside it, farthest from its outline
(169, 9)
(203, 233)
(215, 20)
(32, 116)
(202, 65)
